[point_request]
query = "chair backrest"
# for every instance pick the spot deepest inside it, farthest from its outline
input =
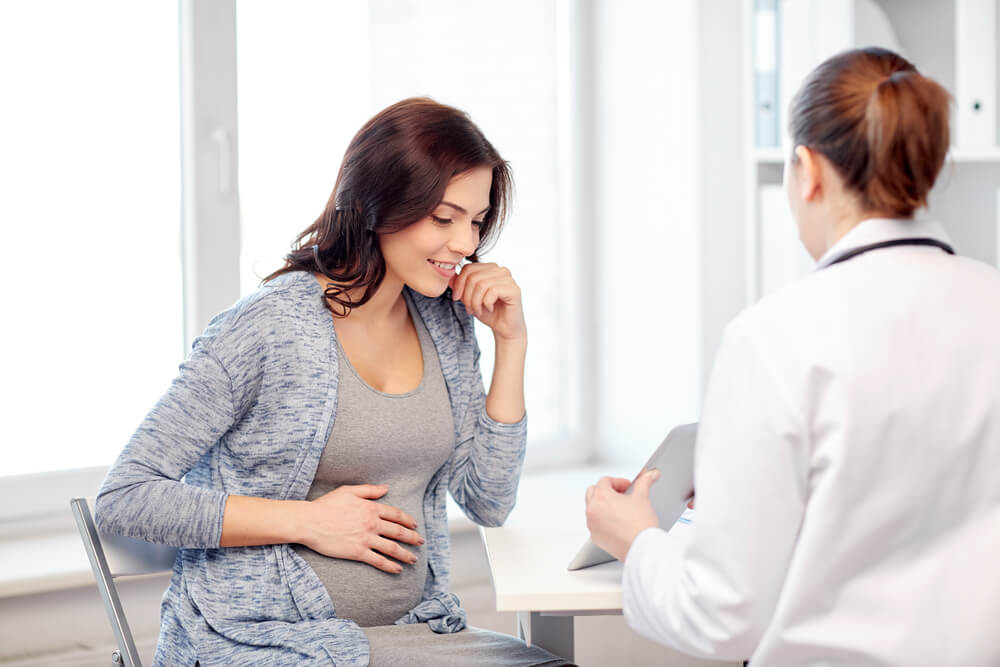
(113, 556)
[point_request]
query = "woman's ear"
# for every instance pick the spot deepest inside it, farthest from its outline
(810, 170)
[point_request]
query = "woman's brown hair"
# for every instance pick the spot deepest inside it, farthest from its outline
(882, 124)
(394, 173)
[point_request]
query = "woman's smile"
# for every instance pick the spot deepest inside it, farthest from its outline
(446, 269)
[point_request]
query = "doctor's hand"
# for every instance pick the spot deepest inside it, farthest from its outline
(348, 523)
(616, 519)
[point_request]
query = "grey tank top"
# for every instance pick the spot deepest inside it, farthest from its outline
(395, 439)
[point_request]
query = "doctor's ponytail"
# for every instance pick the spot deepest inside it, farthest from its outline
(881, 123)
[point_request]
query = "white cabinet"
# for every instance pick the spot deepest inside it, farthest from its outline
(938, 36)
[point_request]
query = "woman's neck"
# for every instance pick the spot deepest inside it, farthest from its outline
(385, 306)
(847, 219)
(839, 227)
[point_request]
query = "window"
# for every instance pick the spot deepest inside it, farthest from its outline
(90, 246)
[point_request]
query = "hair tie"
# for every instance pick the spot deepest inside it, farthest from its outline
(896, 76)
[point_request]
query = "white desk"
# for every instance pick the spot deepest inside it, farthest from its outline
(528, 558)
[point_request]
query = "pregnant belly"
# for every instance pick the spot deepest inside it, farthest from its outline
(364, 594)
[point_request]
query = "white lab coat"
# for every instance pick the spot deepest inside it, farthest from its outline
(847, 473)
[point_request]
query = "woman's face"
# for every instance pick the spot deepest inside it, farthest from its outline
(424, 255)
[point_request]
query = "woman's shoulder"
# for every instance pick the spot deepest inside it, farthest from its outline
(278, 308)
(289, 294)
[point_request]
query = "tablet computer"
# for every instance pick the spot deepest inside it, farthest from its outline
(674, 458)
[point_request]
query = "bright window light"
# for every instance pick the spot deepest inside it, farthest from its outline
(89, 240)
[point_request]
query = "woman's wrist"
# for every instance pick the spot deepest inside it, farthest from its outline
(516, 347)
(505, 400)
(298, 522)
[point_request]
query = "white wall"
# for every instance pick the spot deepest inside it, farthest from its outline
(722, 143)
(669, 211)
(647, 299)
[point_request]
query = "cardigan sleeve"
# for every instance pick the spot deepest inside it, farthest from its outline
(143, 495)
(486, 464)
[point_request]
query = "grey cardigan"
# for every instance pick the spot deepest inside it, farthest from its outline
(249, 414)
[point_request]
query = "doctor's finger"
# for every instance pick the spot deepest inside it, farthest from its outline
(603, 485)
(619, 484)
(645, 480)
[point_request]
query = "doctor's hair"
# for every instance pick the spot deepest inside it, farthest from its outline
(394, 173)
(880, 122)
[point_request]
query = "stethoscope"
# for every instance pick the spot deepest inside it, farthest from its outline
(854, 252)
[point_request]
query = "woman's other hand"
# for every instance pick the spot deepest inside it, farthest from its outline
(615, 519)
(490, 293)
(348, 523)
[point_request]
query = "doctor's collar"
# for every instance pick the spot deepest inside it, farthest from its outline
(876, 233)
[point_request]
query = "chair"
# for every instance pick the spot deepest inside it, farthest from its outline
(112, 557)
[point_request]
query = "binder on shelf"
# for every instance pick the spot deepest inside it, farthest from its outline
(765, 70)
(782, 259)
(975, 74)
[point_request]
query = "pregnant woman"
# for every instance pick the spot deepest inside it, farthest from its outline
(302, 456)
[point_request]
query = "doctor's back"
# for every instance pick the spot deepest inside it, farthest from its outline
(848, 461)
(885, 387)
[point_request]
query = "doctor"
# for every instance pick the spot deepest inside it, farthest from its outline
(848, 455)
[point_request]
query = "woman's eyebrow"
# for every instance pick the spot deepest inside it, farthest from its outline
(462, 210)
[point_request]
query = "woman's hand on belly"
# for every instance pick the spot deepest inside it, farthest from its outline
(348, 523)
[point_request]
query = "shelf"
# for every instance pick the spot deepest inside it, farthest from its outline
(776, 156)
(969, 155)
(769, 156)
